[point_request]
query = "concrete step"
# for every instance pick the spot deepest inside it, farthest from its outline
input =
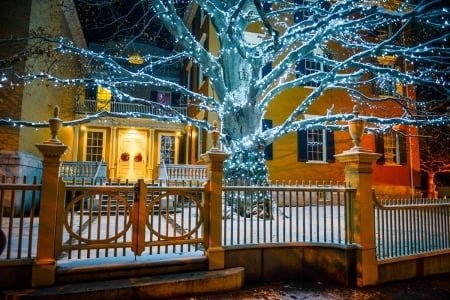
(102, 270)
(148, 287)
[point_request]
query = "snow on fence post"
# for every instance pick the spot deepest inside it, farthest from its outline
(43, 270)
(214, 157)
(358, 172)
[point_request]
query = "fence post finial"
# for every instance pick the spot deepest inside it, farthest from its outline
(55, 124)
(356, 127)
(215, 134)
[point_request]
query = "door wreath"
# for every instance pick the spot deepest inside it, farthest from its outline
(125, 156)
(138, 157)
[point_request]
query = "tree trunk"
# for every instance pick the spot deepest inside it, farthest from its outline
(246, 164)
(248, 168)
(431, 189)
(241, 129)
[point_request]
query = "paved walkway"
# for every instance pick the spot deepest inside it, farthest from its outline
(429, 288)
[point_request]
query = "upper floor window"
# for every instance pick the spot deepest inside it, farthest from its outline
(307, 67)
(392, 147)
(386, 86)
(315, 145)
(102, 94)
(301, 15)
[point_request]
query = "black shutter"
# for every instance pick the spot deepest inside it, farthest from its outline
(300, 68)
(379, 148)
(402, 148)
(175, 99)
(182, 149)
(302, 146)
(330, 146)
(154, 96)
(91, 92)
(268, 150)
(266, 69)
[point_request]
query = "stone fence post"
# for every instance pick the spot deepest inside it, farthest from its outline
(43, 270)
(213, 204)
(358, 172)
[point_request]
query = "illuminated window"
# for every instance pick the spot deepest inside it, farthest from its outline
(392, 147)
(386, 86)
(94, 145)
(167, 149)
(102, 95)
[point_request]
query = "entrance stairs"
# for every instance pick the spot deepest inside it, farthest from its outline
(174, 278)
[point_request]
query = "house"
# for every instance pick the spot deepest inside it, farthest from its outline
(309, 154)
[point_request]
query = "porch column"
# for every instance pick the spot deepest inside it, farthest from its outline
(213, 207)
(358, 172)
(43, 270)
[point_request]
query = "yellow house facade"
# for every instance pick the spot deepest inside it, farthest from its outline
(308, 155)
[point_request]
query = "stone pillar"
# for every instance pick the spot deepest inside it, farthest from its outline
(213, 206)
(358, 172)
(43, 270)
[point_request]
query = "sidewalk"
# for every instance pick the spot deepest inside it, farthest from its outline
(428, 288)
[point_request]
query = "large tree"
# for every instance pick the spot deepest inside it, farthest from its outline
(343, 37)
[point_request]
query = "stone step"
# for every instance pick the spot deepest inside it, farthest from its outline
(149, 287)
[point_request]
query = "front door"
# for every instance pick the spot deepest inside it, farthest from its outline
(132, 154)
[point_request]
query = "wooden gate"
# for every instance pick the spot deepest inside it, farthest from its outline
(120, 220)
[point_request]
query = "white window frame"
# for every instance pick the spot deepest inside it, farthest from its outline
(85, 145)
(309, 70)
(310, 144)
(174, 135)
(324, 143)
(391, 148)
(395, 87)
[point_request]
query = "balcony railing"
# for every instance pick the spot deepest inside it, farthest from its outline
(93, 106)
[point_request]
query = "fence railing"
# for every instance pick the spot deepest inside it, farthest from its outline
(181, 172)
(120, 220)
(313, 213)
(100, 221)
(19, 221)
(411, 226)
(78, 171)
(94, 106)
